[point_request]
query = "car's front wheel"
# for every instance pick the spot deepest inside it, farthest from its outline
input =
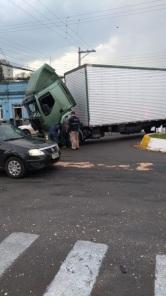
(14, 167)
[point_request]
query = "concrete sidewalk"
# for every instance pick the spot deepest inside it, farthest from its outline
(153, 144)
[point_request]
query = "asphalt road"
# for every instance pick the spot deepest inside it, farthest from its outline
(109, 192)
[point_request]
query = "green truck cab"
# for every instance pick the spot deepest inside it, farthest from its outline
(47, 98)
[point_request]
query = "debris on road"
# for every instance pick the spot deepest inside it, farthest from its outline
(140, 166)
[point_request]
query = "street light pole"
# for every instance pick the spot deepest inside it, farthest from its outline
(88, 51)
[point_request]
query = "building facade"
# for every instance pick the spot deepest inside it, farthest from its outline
(11, 96)
(6, 70)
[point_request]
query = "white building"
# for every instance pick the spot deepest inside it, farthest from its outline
(21, 75)
(7, 71)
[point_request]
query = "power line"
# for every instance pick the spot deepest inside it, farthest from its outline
(98, 12)
(139, 57)
(118, 8)
(41, 22)
(18, 46)
(15, 66)
(120, 14)
(25, 11)
(106, 16)
(11, 58)
(35, 8)
(63, 22)
(45, 16)
(98, 17)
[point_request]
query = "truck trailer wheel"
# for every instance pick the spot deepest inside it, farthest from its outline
(147, 130)
(81, 137)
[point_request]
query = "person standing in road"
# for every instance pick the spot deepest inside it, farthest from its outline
(74, 126)
(65, 132)
(54, 133)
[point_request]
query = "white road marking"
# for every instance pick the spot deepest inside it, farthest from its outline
(13, 246)
(77, 274)
(160, 277)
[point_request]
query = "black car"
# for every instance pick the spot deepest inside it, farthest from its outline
(19, 153)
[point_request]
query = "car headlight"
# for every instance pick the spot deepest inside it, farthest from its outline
(35, 152)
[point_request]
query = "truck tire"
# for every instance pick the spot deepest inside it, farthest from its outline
(81, 137)
(27, 132)
(147, 130)
(14, 167)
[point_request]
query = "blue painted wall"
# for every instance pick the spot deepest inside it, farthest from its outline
(12, 94)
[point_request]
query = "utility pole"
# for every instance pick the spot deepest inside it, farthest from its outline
(88, 51)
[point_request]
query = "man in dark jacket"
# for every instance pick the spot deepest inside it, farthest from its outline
(74, 126)
(65, 132)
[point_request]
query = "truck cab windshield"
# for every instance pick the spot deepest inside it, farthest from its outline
(32, 108)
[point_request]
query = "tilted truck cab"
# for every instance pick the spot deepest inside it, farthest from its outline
(47, 98)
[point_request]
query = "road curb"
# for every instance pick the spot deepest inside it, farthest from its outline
(145, 142)
(153, 144)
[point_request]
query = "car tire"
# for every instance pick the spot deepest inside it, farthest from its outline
(14, 167)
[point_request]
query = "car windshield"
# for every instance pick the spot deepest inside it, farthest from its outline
(9, 132)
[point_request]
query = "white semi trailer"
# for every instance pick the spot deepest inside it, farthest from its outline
(118, 98)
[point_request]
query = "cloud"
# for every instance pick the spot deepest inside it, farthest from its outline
(136, 37)
(69, 60)
(63, 63)
(105, 51)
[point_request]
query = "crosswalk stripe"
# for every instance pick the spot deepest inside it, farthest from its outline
(13, 246)
(160, 277)
(77, 274)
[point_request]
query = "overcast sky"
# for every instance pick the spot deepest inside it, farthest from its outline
(123, 32)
